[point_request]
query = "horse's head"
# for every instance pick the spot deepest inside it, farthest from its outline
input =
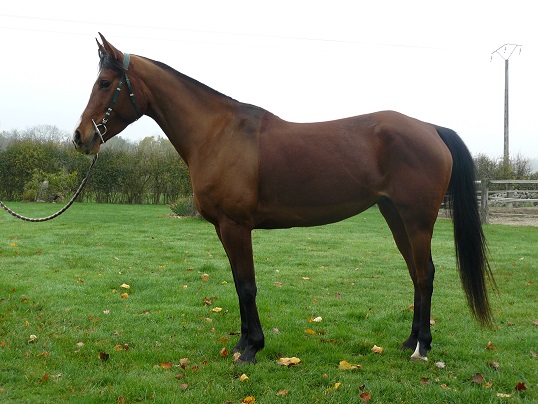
(109, 110)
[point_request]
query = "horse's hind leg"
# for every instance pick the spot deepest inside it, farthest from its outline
(423, 285)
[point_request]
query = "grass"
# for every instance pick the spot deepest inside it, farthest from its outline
(60, 281)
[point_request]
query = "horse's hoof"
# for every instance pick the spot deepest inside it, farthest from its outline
(417, 356)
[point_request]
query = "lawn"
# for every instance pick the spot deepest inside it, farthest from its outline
(123, 303)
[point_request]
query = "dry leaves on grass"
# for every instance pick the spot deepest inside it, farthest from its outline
(377, 349)
(293, 361)
(345, 365)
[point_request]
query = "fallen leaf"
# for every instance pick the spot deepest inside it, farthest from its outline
(477, 378)
(440, 365)
(216, 309)
(248, 400)
(184, 386)
(243, 378)
(365, 397)
(432, 321)
(490, 346)
(293, 361)
(180, 376)
(493, 365)
(32, 338)
(424, 380)
(503, 395)
(184, 362)
(533, 354)
(236, 356)
(106, 312)
(124, 286)
(205, 277)
(510, 324)
(345, 365)
(44, 378)
(207, 301)
(445, 387)
(80, 344)
(377, 349)
(125, 296)
(521, 386)
(337, 385)
(282, 393)
(224, 352)
(43, 354)
(487, 385)
(536, 322)
(103, 356)
(306, 278)
(166, 365)
(278, 284)
(310, 331)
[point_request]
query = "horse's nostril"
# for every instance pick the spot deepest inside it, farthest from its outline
(77, 138)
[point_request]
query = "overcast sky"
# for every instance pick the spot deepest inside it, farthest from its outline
(302, 60)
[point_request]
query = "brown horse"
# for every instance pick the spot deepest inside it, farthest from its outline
(250, 169)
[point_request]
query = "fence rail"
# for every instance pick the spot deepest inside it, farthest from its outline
(508, 193)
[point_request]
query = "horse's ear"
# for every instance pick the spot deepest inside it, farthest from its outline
(107, 49)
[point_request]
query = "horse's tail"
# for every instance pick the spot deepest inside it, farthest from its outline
(469, 240)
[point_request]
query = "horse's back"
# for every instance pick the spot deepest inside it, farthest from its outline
(318, 173)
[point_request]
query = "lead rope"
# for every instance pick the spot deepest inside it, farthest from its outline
(44, 219)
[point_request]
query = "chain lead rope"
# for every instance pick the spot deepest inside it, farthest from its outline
(44, 219)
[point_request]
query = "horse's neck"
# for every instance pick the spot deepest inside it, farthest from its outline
(189, 113)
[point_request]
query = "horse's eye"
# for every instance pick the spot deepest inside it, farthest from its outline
(104, 84)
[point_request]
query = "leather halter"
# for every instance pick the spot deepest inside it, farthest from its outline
(124, 76)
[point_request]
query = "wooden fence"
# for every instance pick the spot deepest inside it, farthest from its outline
(507, 193)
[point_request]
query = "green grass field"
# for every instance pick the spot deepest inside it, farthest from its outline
(70, 333)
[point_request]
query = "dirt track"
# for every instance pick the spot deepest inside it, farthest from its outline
(514, 216)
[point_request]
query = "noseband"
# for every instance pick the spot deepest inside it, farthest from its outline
(124, 76)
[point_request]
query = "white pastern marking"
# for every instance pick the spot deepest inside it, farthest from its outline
(417, 356)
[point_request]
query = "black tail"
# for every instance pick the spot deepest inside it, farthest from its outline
(469, 240)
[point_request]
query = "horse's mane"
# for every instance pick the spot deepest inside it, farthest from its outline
(186, 78)
(108, 62)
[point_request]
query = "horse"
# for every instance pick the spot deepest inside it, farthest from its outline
(250, 169)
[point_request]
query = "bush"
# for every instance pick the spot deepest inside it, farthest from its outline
(184, 206)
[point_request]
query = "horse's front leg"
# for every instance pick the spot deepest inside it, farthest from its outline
(237, 242)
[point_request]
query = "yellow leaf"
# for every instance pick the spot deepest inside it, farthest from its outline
(166, 365)
(244, 378)
(124, 286)
(293, 361)
(345, 365)
(125, 295)
(337, 384)
(377, 349)
(14, 245)
(282, 393)
(310, 331)
(248, 400)
(216, 309)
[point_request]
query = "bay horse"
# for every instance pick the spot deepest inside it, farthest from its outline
(252, 170)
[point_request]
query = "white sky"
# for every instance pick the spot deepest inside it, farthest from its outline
(303, 60)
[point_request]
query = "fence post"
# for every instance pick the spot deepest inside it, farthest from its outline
(484, 214)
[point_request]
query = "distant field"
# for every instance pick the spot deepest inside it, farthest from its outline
(70, 332)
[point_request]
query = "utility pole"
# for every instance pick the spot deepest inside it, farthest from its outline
(507, 50)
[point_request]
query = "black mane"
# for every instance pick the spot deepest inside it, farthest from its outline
(187, 78)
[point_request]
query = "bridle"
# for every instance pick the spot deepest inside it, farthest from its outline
(124, 76)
